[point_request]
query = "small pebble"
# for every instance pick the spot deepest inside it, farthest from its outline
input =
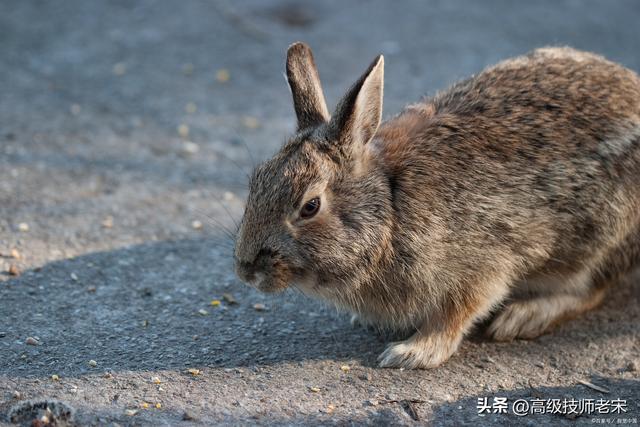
(203, 312)
(186, 416)
(13, 270)
(23, 226)
(345, 368)
(93, 363)
(632, 366)
(372, 402)
(119, 69)
(74, 277)
(156, 380)
(259, 307)
(108, 375)
(31, 341)
(15, 254)
(250, 122)
(223, 75)
(107, 222)
(229, 299)
(365, 377)
(130, 412)
(17, 395)
(193, 371)
(183, 130)
(330, 409)
(189, 147)
(196, 225)
(314, 389)
(91, 289)
(228, 196)
(215, 303)
(55, 377)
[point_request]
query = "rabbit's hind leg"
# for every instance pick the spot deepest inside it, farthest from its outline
(540, 302)
(620, 261)
(551, 301)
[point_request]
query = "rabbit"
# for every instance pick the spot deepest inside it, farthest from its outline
(513, 196)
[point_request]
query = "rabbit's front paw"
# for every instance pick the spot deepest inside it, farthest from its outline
(419, 352)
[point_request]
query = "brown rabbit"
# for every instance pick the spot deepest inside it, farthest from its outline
(517, 188)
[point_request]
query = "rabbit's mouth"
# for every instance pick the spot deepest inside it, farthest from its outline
(276, 279)
(268, 272)
(269, 284)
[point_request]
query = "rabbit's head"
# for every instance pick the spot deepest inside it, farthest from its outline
(318, 214)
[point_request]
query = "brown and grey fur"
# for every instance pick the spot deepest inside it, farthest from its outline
(518, 188)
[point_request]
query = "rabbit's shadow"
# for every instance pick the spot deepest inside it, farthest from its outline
(535, 406)
(163, 305)
(150, 307)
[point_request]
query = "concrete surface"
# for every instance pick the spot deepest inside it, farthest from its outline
(114, 270)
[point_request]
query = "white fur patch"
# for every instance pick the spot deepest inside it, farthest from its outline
(419, 351)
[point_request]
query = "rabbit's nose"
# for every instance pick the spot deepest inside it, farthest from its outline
(245, 270)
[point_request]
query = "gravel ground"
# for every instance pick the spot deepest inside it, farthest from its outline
(126, 133)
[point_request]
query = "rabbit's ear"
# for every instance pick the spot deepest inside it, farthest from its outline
(358, 114)
(302, 75)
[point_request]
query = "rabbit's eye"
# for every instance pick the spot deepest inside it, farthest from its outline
(310, 208)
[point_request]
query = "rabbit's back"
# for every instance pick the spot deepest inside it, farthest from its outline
(549, 85)
(538, 155)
